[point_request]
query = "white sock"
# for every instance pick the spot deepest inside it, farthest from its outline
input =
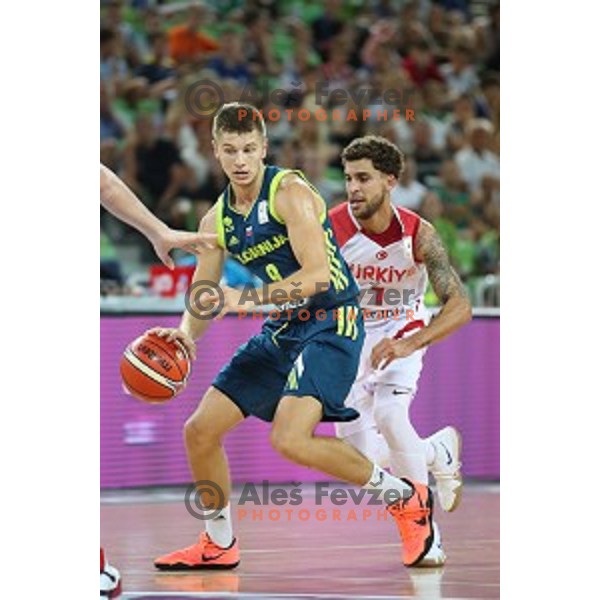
(392, 489)
(219, 528)
(408, 452)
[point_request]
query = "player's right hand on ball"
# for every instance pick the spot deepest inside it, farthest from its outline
(172, 333)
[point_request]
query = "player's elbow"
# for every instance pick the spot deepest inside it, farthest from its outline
(465, 310)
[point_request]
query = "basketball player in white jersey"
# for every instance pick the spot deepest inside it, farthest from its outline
(393, 253)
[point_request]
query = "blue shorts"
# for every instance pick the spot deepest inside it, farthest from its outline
(316, 357)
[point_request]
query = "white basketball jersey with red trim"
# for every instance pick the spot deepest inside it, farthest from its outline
(392, 282)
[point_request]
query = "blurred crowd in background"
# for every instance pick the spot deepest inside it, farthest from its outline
(442, 56)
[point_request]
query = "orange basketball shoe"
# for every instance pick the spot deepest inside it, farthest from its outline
(203, 555)
(414, 518)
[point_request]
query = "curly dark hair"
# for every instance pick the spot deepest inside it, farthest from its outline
(237, 117)
(385, 156)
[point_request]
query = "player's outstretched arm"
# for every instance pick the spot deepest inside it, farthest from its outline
(117, 198)
(197, 316)
(456, 307)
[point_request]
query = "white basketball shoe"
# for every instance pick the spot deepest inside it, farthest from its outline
(446, 467)
(436, 557)
(110, 579)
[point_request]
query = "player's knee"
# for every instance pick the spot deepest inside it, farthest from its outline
(289, 444)
(387, 425)
(198, 436)
(391, 409)
(381, 416)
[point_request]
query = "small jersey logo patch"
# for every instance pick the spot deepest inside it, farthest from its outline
(263, 212)
(228, 224)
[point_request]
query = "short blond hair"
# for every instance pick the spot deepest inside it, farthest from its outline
(238, 117)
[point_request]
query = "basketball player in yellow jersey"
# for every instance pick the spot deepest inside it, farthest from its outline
(297, 371)
(118, 199)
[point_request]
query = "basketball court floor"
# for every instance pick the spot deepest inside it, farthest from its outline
(305, 552)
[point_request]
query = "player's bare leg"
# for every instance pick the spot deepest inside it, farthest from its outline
(293, 436)
(204, 432)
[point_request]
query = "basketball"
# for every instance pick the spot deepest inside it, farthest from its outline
(154, 369)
